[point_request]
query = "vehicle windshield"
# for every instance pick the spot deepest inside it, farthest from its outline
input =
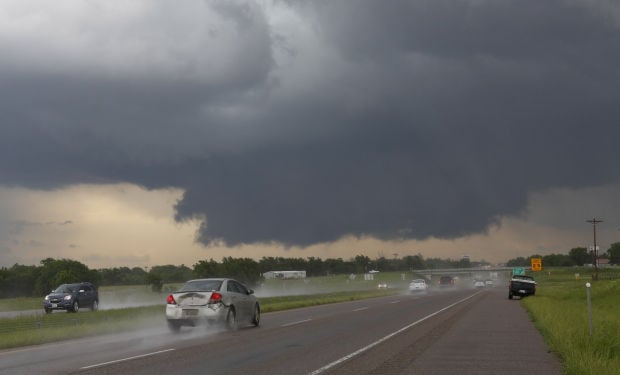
(66, 288)
(201, 286)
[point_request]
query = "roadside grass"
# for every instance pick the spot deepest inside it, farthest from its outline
(33, 330)
(21, 303)
(559, 311)
(40, 329)
(270, 304)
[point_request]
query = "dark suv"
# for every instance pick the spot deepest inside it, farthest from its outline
(72, 297)
(521, 285)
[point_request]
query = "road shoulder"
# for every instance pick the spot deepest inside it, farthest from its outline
(494, 336)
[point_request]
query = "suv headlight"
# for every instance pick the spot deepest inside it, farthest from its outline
(47, 298)
(68, 298)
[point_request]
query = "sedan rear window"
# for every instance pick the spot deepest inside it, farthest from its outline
(201, 286)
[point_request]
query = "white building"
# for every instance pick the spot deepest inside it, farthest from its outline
(285, 275)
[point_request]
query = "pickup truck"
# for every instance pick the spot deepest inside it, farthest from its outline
(521, 285)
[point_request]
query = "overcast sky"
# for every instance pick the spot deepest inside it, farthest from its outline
(151, 132)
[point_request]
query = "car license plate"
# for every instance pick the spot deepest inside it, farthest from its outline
(54, 305)
(190, 312)
(522, 291)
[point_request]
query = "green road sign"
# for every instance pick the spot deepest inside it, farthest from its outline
(518, 271)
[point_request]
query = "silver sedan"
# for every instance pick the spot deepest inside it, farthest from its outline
(418, 285)
(212, 301)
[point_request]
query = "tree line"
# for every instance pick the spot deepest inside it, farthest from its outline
(21, 280)
(578, 256)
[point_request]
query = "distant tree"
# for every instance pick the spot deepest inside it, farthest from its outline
(361, 263)
(155, 281)
(518, 262)
(464, 263)
(267, 264)
(338, 267)
(315, 267)
(557, 260)
(122, 276)
(245, 270)
(382, 264)
(613, 253)
(415, 262)
(18, 281)
(438, 263)
(172, 274)
(60, 271)
(580, 256)
(65, 277)
(204, 269)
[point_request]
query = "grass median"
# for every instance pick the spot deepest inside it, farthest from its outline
(559, 311)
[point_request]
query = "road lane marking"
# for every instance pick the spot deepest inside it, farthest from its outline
(127, 359)
(361, 309)
(295, 323)
(397, 301)
(385, 338)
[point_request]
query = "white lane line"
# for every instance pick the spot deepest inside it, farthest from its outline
(126, 359)
(372, 345)
(397, 301)
(361, 309)
(295, 323)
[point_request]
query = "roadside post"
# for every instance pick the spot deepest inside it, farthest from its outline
(589, 307)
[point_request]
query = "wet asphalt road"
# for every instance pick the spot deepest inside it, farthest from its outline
(486, 335)
(464, 332)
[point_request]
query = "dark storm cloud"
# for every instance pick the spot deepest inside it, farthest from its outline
(393, 120)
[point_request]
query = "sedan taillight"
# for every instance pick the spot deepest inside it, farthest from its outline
(171, 300)
(215, 297)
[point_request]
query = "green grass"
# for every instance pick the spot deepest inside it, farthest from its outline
(22, 303)
(32, 330)
(270, 304)
(559, 311)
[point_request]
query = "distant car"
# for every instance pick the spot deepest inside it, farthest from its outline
(210, 301)
(418, 285)
(382, 286)
(446, 282)
(72, 297)
(479, 284)
(489, 283)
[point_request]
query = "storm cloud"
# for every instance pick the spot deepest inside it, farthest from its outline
(303, 122)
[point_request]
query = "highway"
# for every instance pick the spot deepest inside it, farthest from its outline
(474, 331)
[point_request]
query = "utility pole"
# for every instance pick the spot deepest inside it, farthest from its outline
(594, 221)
